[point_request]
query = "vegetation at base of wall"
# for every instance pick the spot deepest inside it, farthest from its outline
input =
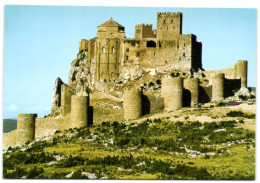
(156, 149)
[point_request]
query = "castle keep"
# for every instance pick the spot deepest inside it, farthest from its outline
(165, 46)
(118, 78)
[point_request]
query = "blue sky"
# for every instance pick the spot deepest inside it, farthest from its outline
(41, 41)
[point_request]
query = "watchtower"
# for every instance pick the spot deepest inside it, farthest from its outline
(25, 127)
(132, 103)
(218, 87)
(240, 72)
(144, 31)
(168, 25)
(79, 111)
(172, 89)
(83, 45)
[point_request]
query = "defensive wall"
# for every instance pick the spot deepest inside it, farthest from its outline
(176, 92)
(238, 71)
(110, 51)
(29, 127)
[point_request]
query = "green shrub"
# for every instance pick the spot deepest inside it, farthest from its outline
(240, 114)
(17, 174)
(34, 173)
(77, 63)
(78, 175)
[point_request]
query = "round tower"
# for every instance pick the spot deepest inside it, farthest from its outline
(242, 72)
(132, 103)
(79, 111)
(25, 128)
(192, 85)
(83, 45)
(218, 87)
(172, 89)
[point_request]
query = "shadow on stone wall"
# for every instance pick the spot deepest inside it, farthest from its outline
(146, 105)
(186, 98)
(151, 104)
(90, 115)
(205, 94)
(231, 86)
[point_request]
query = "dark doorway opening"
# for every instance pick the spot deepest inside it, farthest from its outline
(151, 44)
(186, 98)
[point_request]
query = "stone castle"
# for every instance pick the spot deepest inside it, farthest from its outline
(119, 78)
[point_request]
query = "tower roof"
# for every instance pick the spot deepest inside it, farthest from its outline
(111, 23)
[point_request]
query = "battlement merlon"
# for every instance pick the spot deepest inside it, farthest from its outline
(144, 31)
(143, 25)
(172, 14)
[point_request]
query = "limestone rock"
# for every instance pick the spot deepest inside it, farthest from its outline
(244, 92)
(80, 72)
(131, 73)
(56, 97)
(77, 65)
(152, 72)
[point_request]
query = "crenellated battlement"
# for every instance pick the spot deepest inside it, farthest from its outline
(143, 25)
(144, 31)
(168, 25)
(100, 62)
(168, 14)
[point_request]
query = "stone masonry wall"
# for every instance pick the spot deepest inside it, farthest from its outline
(48, 126)
(9, 139)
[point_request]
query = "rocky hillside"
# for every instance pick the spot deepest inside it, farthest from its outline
(169, 145)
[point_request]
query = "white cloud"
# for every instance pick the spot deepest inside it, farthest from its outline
(13, 107)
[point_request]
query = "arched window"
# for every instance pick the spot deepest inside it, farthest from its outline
(151, 44)
(113, 50)
(103, 49)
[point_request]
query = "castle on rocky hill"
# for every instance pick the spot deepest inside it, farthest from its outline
(150, 48)
(119, 78)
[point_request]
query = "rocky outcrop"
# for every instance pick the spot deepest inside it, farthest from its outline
(131, 73)
(56, 97)
(80, 73)
(245, 92)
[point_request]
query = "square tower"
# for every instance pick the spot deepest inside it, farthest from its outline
(144, 31)
(168, 25)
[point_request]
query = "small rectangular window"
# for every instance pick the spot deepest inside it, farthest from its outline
(127, 50)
